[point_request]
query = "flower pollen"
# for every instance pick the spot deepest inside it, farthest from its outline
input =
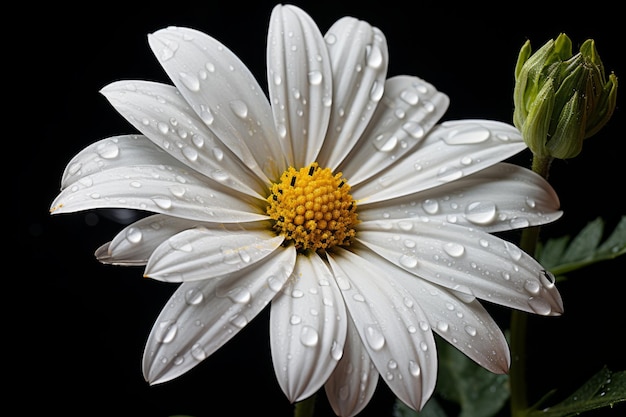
(313, 208)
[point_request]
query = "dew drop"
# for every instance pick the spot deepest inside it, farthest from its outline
(377, 91)
(166, 331)
(408, 261)
(471, 330)
(514, 252)
(481, 212)
(309, 336)
(295, 319)
(163, 127)
(193, 296)
(315, 77)
(454, 249)
(239, 108)
(430, 206)
(190, 81)
(374, 337)
(449, 174)
(108, 150)
(410, 97)
(190, 153)
(539, 306)
(384, 144)
(414, 369)
(336, 351)
(239, 321)
(239, 295)
(415, 130)
(274, 283)
(467, 135)
(206, 115)
(442, 326)
(374, 56)
(134, 235)
(198, 352)
(162, 202)
(532, 287)
(519, 222)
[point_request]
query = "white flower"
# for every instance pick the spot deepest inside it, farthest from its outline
(338, 200)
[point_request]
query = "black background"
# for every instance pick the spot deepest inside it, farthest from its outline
(77, 328)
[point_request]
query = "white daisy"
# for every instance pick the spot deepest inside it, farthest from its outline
(338, 201)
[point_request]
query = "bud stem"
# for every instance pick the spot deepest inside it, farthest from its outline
(519, 319)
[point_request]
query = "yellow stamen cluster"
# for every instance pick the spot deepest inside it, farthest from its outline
(313, 208)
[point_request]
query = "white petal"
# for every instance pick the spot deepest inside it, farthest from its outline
(408, 110)
(498, 198)
(359, 58)
(388, 319)
(353, 382)
(201, 316)
(457, 317)
(113, 152)
(300, 82)
(467, 260)
(167, 189)
(203, 252)
(136, 242)
(451, 151)
(225, 95)
(159, 112)
(308, 325)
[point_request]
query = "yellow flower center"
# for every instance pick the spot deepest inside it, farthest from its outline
(313, 208)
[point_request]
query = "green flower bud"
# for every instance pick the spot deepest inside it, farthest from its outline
(561, 99)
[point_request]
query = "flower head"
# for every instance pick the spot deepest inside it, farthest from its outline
(339, 202)
(561, 99)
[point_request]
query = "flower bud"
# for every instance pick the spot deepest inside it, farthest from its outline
(561, 99)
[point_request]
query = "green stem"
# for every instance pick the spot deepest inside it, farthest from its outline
(306, 407)
(519, 319)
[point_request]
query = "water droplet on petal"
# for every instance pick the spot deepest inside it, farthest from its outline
(481, 212)
(239, 108)
(108, 150)
(513, 251)
(430, 206)
(385, 144)
(315, 77)
(374, 56)
(162, 202)
(198, 352)
(166, 331)
(410, 97)
(408, 261)
(309, 336)
(193, 296)
(190, 81)
(532, 287)
(377, 91)
(467, 135)
(449, 174)
(539, 306)
(454, 249)
(134, 235)
(374, 337)
(414, 369)
(239, 321)
(415, 130)
(471, 330)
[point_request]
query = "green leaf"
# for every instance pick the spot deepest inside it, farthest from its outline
(604, 389)
(562, 255)
(479, 392)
